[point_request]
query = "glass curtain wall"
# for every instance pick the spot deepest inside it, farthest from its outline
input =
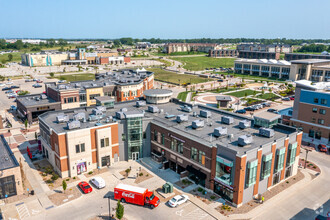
(134, 136)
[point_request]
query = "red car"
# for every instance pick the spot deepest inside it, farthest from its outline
(322, 148)
(291, 98)
(85, 187)
(39, 81)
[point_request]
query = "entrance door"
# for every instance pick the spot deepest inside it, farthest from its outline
(135, 155)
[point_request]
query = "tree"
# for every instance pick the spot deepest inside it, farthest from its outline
(26, 123)
(254, 93)
(51, 75)
(10, 57)
(245, 94)
(119, 210)
(64, 185)
(262, 91)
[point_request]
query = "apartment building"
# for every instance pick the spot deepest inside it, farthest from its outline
(311, 111)
(302, 56)
(279, 69)
(222, 151)
(273, 48)
(259, 55)
(223, 53)
(186, 47)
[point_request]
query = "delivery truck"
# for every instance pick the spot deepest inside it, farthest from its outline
(136, 195)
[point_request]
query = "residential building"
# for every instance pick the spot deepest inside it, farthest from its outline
(302, 56)
(216, 149)
(259, 55)
(186, 47)
(223, 53)
(10, 179)
(274, 48)
(311, 111)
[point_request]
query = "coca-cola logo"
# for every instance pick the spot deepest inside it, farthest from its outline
(130, 195)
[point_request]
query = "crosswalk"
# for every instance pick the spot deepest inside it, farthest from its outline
(22, 210)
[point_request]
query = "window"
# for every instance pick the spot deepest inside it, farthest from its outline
(322, 111)
(311, 133)
(223, 170)
(123, 137)
(318, 135)
(316, 100)
(323, 101)
(82, 97)
(155, 135)
(266, 165)
(77, 148)
(320, 121)
(102, 143)
(202, 157)
(93, 96)
(313, 120)
(194, 153)
(163, 139)
(291, 154)
(134, 93)
(80, 148)
(180, 147)
(173, 144)
(105, 142)
(314, 110)
(251, 173)
(279, 159)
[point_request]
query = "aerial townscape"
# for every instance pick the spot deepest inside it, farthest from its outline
(174, 110)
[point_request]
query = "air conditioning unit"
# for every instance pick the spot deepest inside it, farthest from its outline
(140, 103)
(266, 132)
(186, 108)
(62, 118)
(120, 115)
(181, 118)
(244, 124)
(101, 108)
(205, 113)
(220, 131)
(153, 109)
(245, 140)
(227, 120)
(197, 124)
(80, 117)
(73, 125)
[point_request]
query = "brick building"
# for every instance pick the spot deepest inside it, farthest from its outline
(186, 47)
(223, 53)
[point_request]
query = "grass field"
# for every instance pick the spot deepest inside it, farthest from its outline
(242, 93)
(16, 57)
(182, 96)
(200, 63)
(178, 53)
(268, 96)
(76, 77)
(172, 77)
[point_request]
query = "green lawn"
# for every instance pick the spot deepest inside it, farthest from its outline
(16, 57)
(178, 53)
(268, 96)
(200, 63)
(182, 96)
(172, 77)
(242, 93)
(76, 77)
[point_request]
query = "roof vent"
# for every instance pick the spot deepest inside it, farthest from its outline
(101, 108)
(43, 96)
(181, 118)
(140, 103)
(123, 110)
(186, 108)
(266, 132)
(153, 109)
(62, 118)
(220, 131)
(227, 120)
(194, 114)
(245, 140)
(80, 117)
(197, 124)
(205, 113)
(73, 125)
(244, 124)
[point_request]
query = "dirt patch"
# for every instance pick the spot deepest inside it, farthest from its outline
(96, 172)
(183, 183)
(207, 198)
(309, 165)
(50, 177)
(60, 198)
(143, 175)
(251, 85)
(267, 195)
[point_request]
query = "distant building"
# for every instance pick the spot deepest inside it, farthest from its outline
(223, 53)
(311, 111)
(185, 47)
(316, 70)
(259, 55)
(302, 56)
(223, 100)
(274, 48)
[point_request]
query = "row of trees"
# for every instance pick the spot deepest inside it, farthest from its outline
(314, 48)
(19, 45)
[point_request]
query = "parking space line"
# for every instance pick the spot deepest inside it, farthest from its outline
(23, 212)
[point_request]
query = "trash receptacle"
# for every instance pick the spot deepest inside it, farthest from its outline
(32, 192)
(170, 187)
(165, 188)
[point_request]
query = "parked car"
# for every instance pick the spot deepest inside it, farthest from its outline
(249, 108)
(6, 88)
(2, 84)
(9, 83)
(241, 111)
(9, 92)
(220, 80)
(98, 182)
(34, 80)
(291, 98)
(85, 187)
(13, 108)
(14, 87)
(322, 148)
(12, 95)
(39, 81)
(266, 104)
(271, 110)
(37, 85)
(28, 80)
(286, 99)
(178, 200)
(61, 81)
(321, 217)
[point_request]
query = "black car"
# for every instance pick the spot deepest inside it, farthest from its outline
(241, 111)
(249, 109)
(271, 110)
(6, 88)
(14, 87)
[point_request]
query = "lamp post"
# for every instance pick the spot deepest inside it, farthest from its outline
(307, 150)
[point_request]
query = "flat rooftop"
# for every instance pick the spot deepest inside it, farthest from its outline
(319, 86)
(35, 100)
(264, 61)
(310, 61)
(7, 158)
(166, 117)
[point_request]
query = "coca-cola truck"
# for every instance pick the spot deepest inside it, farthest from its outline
(136, 195)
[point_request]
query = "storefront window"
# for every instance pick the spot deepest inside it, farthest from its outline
(280, 153)
(318, 135)
(224, 170)
(291, 154)
(266, 165)
(251, 173)
(224, 192)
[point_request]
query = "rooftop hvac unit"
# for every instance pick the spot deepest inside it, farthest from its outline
(153, 109)
(220, 131)
(194, 114)
(205, 113)
(101, 108)
(266, 132)
(108, 119)
(62, 118)
(244, 124)
(227, 120)
(120, 115)
(123, 110)
(186, 108)
(140, 103)
(80, 117)
(181, 118)
(197, 124)
(73, 125)
(43, 96)
(245, 140)
(97, 112)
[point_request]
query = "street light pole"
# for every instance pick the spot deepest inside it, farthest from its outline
(306, 157)
(109, 207)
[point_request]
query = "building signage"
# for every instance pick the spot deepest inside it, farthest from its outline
(177, 138)
(223, 184)
(130, 195)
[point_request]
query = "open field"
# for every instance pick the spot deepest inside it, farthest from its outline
(76, 77)
(200, 63)
(172, 77)
(242, 93)
(178, 53)
(16, 57)
(268, 96)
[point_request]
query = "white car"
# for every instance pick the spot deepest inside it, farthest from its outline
(178, 200)
(2, 84)
(98, 182)
(9, 83)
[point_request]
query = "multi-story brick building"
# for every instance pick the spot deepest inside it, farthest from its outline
(222, 151)
(186, 47)
(274, 48)
(259, 55)
(223, 53)
(311, 111)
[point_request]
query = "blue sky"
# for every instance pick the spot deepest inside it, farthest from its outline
(165, 19)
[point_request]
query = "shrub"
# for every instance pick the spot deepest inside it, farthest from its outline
(119, 210)
(54, 177)
(212, 197)
(314, 167)
(140, 174)
(49, 181)
(147, 175)
(287, 181)
(74, 178)
(67, 180)
(90, 172)
(200, 189)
